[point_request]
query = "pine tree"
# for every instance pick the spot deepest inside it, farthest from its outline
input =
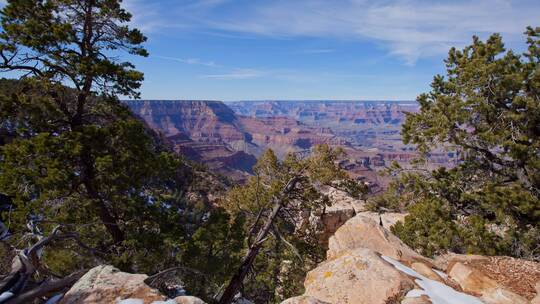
(488, 109)
(280, 250)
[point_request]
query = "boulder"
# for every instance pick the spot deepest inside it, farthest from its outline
(106, 284)
(495, 277)
(334, 217)
(342, 200)
(188, 300)
(357, 276)
(363, 232)
(426, 271)
(388, 219)
(342, 208)
(536, 299)
(475, 282)
(416, 300)
(304, 300)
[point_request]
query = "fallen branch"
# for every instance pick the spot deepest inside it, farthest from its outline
(45, 289)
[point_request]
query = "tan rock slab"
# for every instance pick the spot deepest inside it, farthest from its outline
(188, 300)
(106, 284)
(358, 276)
(363, 232)
(475, 282)
(417, 300)
(426, 271)
(304, 300)
(388, 219)
(516, 275)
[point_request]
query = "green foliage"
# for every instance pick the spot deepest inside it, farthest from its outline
(214, 251)
(72, 155)
(488, 109)
(72, 41)
(294, 246)
(42, 171)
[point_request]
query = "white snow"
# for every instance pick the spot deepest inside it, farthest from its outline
(437, 292)
(415, 293)
(131, 301)
(5, 295)
(440, 273)
(164, 302)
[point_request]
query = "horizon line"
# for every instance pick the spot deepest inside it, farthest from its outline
(277, 100)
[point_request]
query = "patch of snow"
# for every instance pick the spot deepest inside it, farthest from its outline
(5, 295)
(440, 273)
(164, 302)
(415, 293)
(131, 301)
(437, 292)
(55, 299)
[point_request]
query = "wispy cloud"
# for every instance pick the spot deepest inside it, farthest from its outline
(408, 29)
(192, 61)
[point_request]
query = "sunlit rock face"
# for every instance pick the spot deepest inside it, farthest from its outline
(366, 263)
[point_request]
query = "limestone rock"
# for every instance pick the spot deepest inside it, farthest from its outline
(334, 217)
(304, 300)
(188, 300)
(514, 275)
(363, 232)
(426, 271)
(106, 284)
(417, 300)
(536, 299)
(475, 282)
(343, 207)
(388, 219)
(358, 276)
(342, 200)
(502, 296)
(446, 261)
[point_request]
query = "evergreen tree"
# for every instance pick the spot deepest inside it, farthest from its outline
(85, 182)
(281, 244)
(488, 109)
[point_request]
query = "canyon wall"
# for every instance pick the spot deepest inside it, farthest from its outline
(228, 137)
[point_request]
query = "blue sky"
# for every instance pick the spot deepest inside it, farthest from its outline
(311, 49)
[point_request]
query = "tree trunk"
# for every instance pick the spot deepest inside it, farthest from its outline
(110, 223)
(237, 280)
(88, 176)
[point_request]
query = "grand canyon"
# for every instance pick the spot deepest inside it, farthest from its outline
(229, 136)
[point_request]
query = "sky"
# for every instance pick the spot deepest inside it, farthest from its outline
(312, 49)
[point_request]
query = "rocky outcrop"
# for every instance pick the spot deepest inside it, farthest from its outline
(357, 276)
(106, 284)
(367, 264)
(342, 208)
(304, 300)
(536, 299)
(188, 300)
(363, 232)
(386, 220)
(495, 279)
(356, 272)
